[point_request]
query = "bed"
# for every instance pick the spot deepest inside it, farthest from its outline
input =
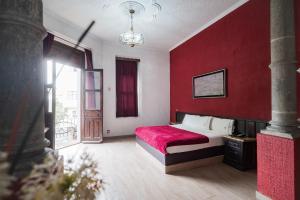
(202, 142)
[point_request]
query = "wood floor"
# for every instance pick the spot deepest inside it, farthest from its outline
(129, 175)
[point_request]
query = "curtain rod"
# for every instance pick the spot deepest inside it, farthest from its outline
(128, 59)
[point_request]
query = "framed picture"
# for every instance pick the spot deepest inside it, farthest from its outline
(210, 85)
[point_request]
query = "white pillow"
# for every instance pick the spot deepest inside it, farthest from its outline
(205, 122)
(196, 122)
(222, 125)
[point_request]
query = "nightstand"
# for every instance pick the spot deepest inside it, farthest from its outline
(173, 123)
(240, 152)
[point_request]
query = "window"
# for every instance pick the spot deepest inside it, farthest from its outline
(126, 87)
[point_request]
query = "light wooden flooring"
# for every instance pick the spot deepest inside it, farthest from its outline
(129, 175)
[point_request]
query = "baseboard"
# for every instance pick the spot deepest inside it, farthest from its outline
(91, 142)
(118, 136)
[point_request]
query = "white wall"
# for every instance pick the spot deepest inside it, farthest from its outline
(154, 78)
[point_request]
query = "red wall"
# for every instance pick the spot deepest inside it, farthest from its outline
(278, 164)
(239, 42)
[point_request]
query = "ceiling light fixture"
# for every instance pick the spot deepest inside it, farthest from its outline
(130, 37)
(135, 8)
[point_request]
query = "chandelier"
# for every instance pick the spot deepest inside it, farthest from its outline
(130, 37)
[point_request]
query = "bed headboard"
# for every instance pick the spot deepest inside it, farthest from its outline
(242, 126)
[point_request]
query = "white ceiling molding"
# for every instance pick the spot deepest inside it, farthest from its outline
(223, 14)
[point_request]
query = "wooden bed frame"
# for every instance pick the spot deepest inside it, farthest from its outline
(192, 159)
(168, 169)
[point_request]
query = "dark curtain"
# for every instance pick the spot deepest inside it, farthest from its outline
(126, 86)
(49, 120)
(90, 81)
(47, 44)
(89, 59)
(62, 53)
(67, 55)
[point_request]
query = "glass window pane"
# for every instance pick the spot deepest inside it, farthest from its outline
(59, 69)
(49, 71)
(92, 100)
(92, 80)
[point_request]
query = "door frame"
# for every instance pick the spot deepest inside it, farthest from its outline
(51, 131)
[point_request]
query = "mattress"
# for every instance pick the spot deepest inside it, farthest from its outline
(215, 139)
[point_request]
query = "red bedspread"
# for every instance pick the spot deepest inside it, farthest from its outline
(161, 137)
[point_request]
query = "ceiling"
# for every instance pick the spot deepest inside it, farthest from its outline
(178, 20)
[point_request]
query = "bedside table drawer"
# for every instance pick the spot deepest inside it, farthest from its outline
(232, 154)
(240, 152)
(233, 145)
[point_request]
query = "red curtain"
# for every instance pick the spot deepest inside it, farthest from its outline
(126, 86)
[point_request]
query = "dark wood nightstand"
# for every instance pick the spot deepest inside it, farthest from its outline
(240, 152)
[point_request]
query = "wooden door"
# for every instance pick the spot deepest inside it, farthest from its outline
(92, 116)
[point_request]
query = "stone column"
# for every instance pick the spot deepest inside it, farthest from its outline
(283, 69)
(21, 79)
(278, 147)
